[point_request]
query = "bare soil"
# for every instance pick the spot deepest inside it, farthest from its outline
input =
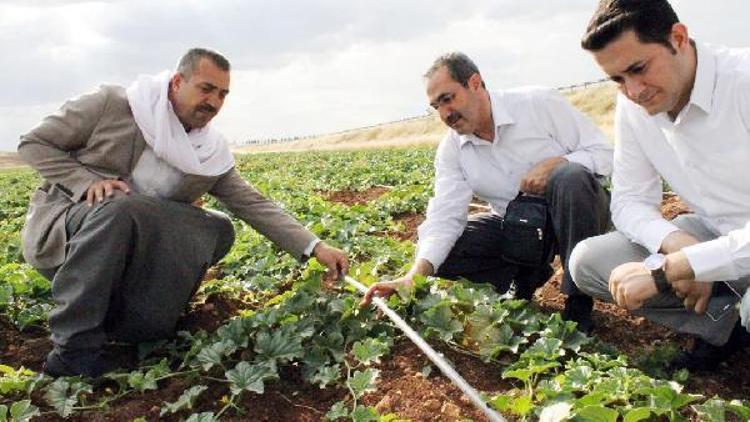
(404, 386)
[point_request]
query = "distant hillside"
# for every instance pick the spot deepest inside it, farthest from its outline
(596, 102)
(10, 160)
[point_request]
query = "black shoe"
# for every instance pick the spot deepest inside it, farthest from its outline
(578, 308)
(707, 357)
(68, 363)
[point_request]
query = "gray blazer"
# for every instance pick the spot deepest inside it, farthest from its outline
(95, 137)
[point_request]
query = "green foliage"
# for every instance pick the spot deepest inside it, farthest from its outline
(65, 393)
(184, 402)
(556, 371)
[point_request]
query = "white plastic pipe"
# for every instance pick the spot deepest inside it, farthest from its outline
(431, 354)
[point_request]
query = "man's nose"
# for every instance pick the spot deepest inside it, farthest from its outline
(634, 87)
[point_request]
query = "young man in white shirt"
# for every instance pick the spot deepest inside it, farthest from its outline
(528, 139)
(683, 117)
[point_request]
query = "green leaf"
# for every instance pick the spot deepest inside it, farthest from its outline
(281, 345)
(185, 401)
(247, 377)
(364, 414)
(64, 393)
(521, 406)
(326, 375)
(23, 411)
(555, 412)
(202, 417)
(363, 382)
(713, 410)
(338, 410)
(213, 355)
(637, 414)
(740, 409)
(143, 382)
(370, 350)
(597, 414)
(501, 402)
(442, 321)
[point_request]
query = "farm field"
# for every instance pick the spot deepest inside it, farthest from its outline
(265, 341)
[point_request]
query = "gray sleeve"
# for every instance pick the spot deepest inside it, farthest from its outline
(263, 215)
(51, 145)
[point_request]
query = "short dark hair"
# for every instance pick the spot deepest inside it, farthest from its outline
(189, 61)
(459, 65)
(652, 21)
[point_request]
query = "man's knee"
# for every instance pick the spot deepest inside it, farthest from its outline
(569, 175)
(583, 266)
(224, 234)
(580, 266)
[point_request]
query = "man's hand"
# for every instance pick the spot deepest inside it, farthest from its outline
(386, 288)
(695, 294)
(334, 259)
(631, 284)
(105, 189)
(535, 181)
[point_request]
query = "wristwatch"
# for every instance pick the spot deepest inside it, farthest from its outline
(655, 264)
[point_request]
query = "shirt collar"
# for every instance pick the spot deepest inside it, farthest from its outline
(705, 79)
(500, 116)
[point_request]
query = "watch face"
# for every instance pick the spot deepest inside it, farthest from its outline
(654, 262)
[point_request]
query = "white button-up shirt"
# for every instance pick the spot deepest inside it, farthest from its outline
(704, 156)
(531, 125)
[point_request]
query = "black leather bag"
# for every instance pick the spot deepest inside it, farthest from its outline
(527, 231)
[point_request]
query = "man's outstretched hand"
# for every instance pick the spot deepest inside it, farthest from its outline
(334, 259)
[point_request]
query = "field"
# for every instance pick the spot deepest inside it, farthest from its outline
(264, 341)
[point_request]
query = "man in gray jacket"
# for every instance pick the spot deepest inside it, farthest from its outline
(113, 225)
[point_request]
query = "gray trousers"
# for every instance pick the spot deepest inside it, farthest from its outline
(131, 265)
(578, 207)
(594, 259)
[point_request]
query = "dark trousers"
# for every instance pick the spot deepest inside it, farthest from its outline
(131, 266)
(579, 208)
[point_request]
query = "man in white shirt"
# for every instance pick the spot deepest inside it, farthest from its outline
(528, 139)
(683, 117)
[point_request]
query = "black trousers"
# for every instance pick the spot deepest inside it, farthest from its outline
(131, 266)
(578, 207)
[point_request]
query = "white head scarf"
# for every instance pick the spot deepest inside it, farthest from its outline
(202, 151)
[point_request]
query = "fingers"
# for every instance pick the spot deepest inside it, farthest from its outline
(701, 305)
(104, 188)
(343, 265)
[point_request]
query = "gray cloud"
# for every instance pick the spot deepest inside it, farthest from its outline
(303, 66)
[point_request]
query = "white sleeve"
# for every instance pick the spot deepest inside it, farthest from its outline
(636, 189)
(447, 211)
(728, 257)
(582, 140)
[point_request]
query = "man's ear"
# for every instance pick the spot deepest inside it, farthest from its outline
(176, 81)
(475, 81)
(679, 36)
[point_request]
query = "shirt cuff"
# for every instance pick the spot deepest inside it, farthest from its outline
(307, 254)
(652, 235)
(712, 261)
(432, 252)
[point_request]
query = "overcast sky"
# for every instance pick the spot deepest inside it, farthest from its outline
(304, 67)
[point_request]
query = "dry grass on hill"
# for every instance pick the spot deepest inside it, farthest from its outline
(597, 102)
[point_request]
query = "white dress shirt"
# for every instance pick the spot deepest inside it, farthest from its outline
(704, 155)
(531, 124)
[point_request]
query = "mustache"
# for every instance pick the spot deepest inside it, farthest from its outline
(453, 117)
(206, 108)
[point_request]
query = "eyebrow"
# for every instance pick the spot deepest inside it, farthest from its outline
(632, 67)
(212, 86)
(440, 98)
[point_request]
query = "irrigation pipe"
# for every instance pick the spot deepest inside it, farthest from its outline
(438, 360)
